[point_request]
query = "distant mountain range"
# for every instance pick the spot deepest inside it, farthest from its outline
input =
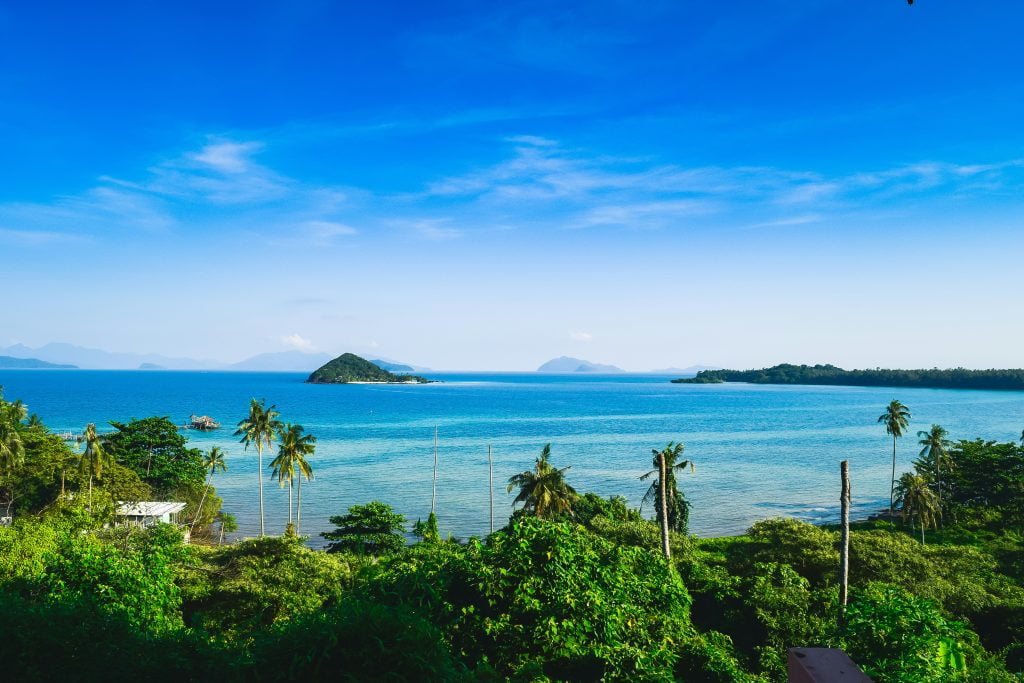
(567, 364)
(11, 363)
(59, 354)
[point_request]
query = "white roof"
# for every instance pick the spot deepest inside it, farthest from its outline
(148, 508)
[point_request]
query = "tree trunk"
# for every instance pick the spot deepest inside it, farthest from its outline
(199, 510)
(90, 493)
(892, 482)
(291, 486)
(922, 531)
(62, 483)
(844, 540)
(259, 455)
(298, 507)
(938, 484)
(490, 485)
(221, 541)
(665, 548)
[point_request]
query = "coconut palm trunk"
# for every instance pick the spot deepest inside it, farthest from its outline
(259, 469)
(199, 510)
(662, 476)
(892, 484)
(298, 507)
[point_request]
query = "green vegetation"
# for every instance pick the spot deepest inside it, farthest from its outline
(676, 504)
(349, 367)
(371, 529)
(896, 419)
(957, 378)
(543, 490)
(259, 429)
(574, 588)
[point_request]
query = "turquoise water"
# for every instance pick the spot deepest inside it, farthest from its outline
(760, 451)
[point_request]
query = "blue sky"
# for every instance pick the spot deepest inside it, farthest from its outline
(484, 187)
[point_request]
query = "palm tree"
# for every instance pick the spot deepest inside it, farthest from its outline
(291, 460)
(678, 508)
(259, 429)
(543, 490)
(934, 454)
(93, 459)
(917, 501)
(12, 448)
(896, 419)
(213, 461)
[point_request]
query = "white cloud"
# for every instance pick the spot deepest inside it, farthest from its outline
(581, 336)
(324, 232)
(297, 341)
(227, 156)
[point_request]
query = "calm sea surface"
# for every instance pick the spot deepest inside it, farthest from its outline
(760, 451)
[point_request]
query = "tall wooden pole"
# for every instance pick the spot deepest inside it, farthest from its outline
(490, 484)
(844, 540)
(665, 548)
(433, 486)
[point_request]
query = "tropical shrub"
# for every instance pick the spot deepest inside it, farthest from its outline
(546, 598)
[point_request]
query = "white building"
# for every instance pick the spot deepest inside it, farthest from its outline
(148, 513)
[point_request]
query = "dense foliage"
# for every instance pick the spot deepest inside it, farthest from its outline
(574, 592)
(955, 378)
(349, 367)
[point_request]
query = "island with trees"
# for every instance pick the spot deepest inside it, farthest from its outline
(349, 368)
(786, 373)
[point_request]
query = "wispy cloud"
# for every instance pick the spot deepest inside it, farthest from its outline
(298, 342)
(222, 187)
(34, 238)
(581, 336)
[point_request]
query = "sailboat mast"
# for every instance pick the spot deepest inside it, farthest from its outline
(490, 484)
(433, 485)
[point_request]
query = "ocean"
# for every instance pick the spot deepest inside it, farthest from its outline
(760, 451)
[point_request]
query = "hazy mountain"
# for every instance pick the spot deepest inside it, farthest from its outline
(11, 363)
(567, 364)
(391, 366)
(283, 361)
(692, 370)
(97, 359)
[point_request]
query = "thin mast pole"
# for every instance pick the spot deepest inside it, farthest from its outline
(844, 539)
(490, 484)
(433, 486)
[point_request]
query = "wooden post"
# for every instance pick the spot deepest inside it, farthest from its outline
(844, 539)
(665, 548)
(433, 485)
(490, 484)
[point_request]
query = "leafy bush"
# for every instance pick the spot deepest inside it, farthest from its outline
(238, 590)
(356, 641)
(372, 529)
(546, 598)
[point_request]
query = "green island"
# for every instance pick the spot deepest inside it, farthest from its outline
(955, 378)
(574, 587)
(349, 368)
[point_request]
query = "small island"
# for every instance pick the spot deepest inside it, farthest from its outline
(349, 368)
(786, 373)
